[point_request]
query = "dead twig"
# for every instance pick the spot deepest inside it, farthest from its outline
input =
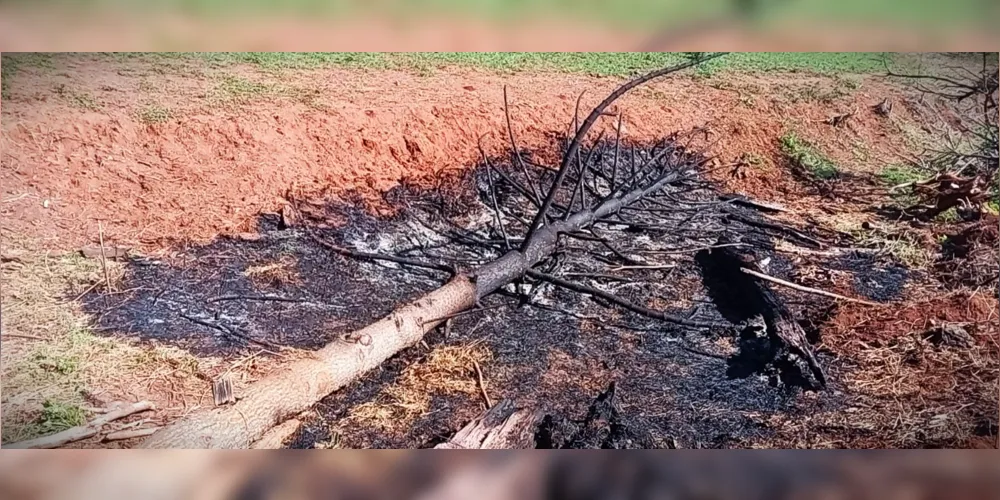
(231, 332)
(576, 287)
(482, 385)
(806, 289)
(82, 431)
(23, 336)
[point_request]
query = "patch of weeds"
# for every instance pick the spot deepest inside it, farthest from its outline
(240, 90)
(59, 364)
(815, 92)
(72, 362)
(808, 157)
(12, 63)
(948, 216)
(154, 113)
(848, 82)
(861, 152)
(79, 99)
(57, 416)
(907, 251)
(992, 206)
(896, 174)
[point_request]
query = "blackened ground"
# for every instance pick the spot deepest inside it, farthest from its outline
(877, 278)
(556, 352)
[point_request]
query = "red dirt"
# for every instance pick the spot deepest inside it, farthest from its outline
(888, 324)
(218, 162)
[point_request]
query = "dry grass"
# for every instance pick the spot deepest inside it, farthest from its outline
(276, 273)
(907, 391)
(55, 369)
(446, 370)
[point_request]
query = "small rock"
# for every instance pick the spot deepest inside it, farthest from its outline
(950, 335)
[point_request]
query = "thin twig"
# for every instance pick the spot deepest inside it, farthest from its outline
(493, 196)
(462, 313)
(104, 264)
(482, 385)
(261, 298)
(806, 289)
(230, 331)
(574, 145)
(513, 146)
(576, 287)
(656, 266)
(23, 336)
(374, 256)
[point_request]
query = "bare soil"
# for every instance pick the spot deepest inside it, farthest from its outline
(189, 165)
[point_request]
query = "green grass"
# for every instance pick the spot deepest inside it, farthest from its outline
(58, 416)
(10, 64)
(805, 154)
(152, 114)
(600, 64)
(896, 174)
(615, 64)
(78, 99)
(948, 216)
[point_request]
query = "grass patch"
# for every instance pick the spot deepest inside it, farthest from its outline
(807, 156)
(58, 416)
(53, 364)
(906, 249)
(80, 100)
(948, 216)
(896, 174)
(10, 64)
(154, 113)
(598, 64)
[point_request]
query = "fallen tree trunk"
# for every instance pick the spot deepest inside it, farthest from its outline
(303, 382)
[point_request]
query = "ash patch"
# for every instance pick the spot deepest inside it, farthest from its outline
(312, 297)
(874, 278)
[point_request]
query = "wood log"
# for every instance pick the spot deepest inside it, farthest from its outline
(502, 427)
(771, 340)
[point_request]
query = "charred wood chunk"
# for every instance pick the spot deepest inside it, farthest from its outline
(771, 341)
